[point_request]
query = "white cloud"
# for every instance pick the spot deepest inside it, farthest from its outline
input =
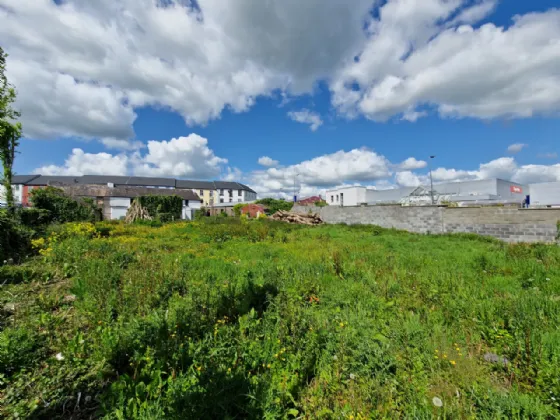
(315, 175)
(413, 116)
(417, 55)
(409, 179)
(179, 157)
(183, 157)
(516, 147)
(411, 164)
(232, 174)
(267, 161)
(197, 61)
(82, 67)
(82, 163)
(306, 116)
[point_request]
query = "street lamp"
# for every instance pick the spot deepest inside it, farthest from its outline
(295, 197)
(431, 180)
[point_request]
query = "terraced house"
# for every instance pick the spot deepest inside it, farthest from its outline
(204, 193)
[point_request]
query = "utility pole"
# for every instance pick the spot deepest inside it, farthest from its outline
(431, 181)
(295, 196)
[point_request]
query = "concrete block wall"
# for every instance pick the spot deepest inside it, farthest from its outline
(508, 224)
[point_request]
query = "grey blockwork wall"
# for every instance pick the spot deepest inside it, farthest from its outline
(508, 224)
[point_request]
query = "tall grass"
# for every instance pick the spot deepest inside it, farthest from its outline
(236, 319)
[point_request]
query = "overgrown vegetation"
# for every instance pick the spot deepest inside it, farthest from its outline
(54, 206)
(230, 318)
(272, 205)
(10, 130)
(163, 208)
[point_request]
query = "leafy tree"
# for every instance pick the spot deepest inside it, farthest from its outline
(10, 129)
(237, 209)
(273, 205)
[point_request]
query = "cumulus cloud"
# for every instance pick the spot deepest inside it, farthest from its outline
(411, 164)
(315, 175)
(306, 116)
(83, 67)
(82, 163)
(194, 59)
(179, 157)
(516, 147)
(420, 54)
(267, 161)
(409, 179)
(183, 157)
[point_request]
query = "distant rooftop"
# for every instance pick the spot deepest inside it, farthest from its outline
(132, 181)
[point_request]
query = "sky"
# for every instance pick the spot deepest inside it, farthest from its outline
(322, 93)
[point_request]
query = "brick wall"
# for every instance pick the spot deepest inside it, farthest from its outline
(508, 224)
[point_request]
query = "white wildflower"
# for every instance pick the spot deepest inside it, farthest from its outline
(437, 402)
(59, 356)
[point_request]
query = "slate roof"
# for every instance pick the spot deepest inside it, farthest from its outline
(48, 180)
(226, 185)
(125, 191)
(135, 181)
(127, 180)
(195, 185)
(23, 179)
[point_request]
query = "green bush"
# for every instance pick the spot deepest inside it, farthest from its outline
(163, 208)
(273, 205)
(60, 208)
(34, 218)
(237, 209)
(15, 239)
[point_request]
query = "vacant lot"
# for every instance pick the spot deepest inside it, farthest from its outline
(236, 319)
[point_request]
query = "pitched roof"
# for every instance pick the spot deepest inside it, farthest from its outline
(125, 191)
(127, 180)
(47, 180)
(226, 185)
(39, 180)
(23, 179)
(195, 185)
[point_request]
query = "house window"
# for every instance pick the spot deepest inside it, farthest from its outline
(221, 200)
(332, 198)
(221, 192)
(239, 193)
(211, 193)
(230, 193)
(239, 200)
(337, 198)
(231, 199)
(342, 198)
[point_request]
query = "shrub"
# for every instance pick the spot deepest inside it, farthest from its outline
(61, 208)
(273, 205)
(15, 239)
(34, 218)
(237, 209)
(163, 208)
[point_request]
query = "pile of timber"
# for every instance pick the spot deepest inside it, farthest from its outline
(300, 219)
(136, 212)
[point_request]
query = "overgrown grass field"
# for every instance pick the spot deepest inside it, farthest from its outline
(234, 319)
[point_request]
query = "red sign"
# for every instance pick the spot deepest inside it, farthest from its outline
(515, 189)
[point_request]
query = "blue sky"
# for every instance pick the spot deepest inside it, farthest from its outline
(207, 96)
